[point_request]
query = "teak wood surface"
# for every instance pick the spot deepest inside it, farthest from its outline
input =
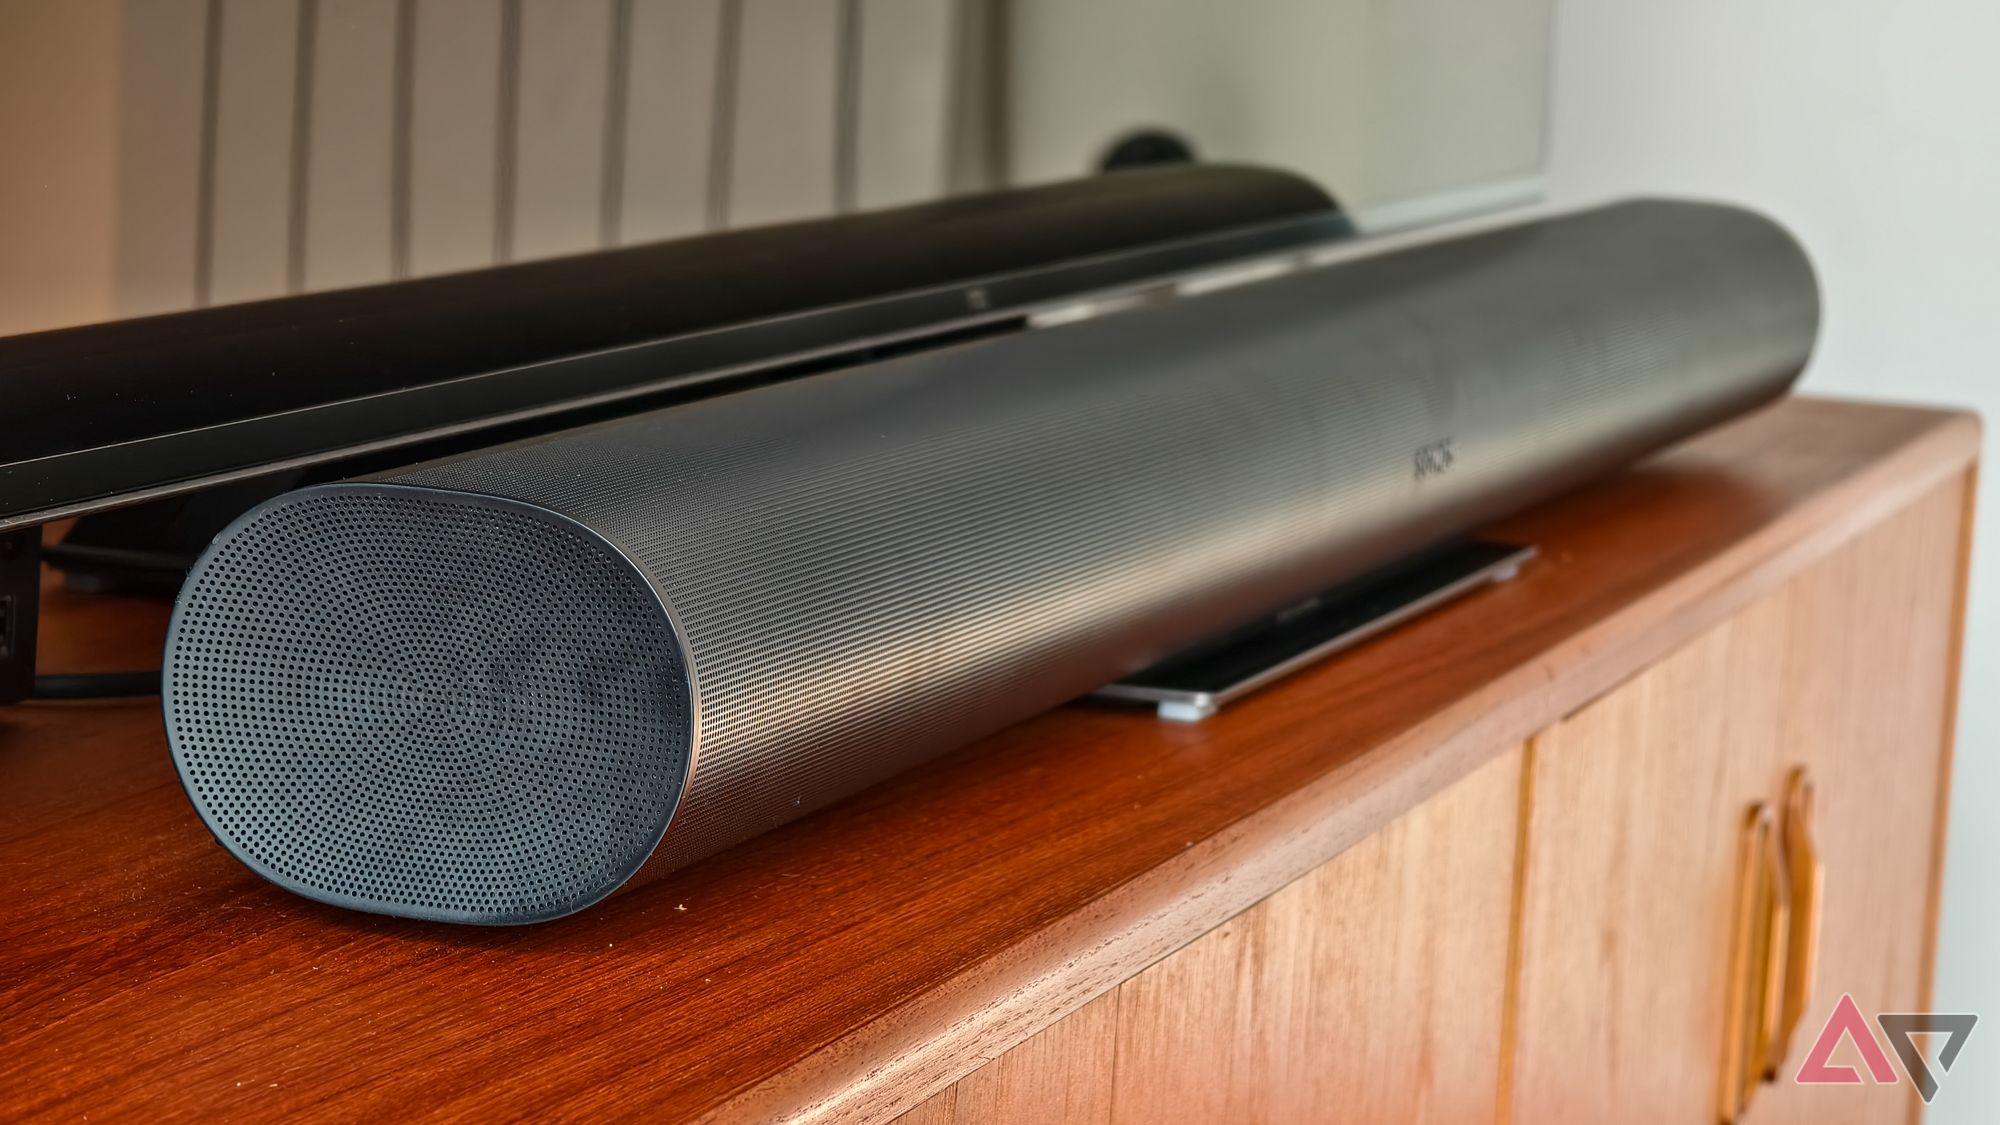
(1637, 821)
(850, 965)
(1369, 990)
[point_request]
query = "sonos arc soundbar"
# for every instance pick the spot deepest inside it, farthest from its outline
(495, 688)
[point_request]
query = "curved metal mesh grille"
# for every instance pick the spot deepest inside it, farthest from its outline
(445, 708)
(875, 564)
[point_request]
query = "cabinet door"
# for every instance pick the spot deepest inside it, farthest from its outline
(1629, 892)
(1636, 814)
(1371, 990)
(1869, 694)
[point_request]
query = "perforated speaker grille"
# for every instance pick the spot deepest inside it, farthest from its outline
(412, 702)
(453, 708)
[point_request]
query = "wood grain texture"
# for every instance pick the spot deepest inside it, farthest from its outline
(1866, 710)
(1638, 804)
(940, 1108)
(1940, 821)
(856, 962)
(1370, 990)
(1063, 1073)
(1630, 888)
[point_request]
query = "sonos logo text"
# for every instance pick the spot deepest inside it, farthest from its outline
(1432, 460)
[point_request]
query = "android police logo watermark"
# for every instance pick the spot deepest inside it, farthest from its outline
(1901, 1030)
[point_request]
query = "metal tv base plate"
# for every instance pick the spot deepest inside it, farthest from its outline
(1192, 685)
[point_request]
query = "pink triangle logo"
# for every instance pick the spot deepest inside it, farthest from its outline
(1846, 1020)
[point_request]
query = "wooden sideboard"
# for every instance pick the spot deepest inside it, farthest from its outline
(1499, 864)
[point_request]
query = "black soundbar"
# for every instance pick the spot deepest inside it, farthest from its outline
(495, 688)
(155, 405)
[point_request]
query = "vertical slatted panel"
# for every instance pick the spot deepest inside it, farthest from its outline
(249, 205)
(163, 47)
(250, 161)
(782, 155)
(722, 116)
(403, 86)
(901, 101)
(976, 156)
(846, 103)
(672, 62)
(565, 46)
(617, 92)
(454, 134)
(58, 162)
(346, 197)
(507, 130)
(269, 146)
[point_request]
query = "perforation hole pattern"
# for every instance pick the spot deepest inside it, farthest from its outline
(427, 706)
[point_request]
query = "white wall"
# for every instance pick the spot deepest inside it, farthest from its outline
(1873, 130)
(1406, 111)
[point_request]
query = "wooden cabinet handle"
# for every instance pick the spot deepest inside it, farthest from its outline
(1775, 943)
(1756, 969)
(1774, 950)
(1807, 876)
